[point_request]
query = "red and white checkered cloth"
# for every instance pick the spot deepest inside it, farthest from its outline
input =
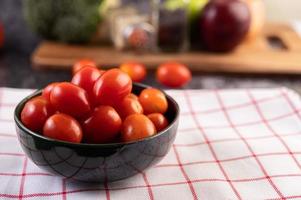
(231, 144)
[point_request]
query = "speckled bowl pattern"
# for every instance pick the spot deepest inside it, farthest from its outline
(97, 162)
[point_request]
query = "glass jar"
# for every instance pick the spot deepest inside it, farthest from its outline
(173, 25)
(133, 26)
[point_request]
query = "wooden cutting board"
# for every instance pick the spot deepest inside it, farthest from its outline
(278, 50)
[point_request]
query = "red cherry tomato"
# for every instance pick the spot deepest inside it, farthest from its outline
(173, 74)
(1, 36)
(83, 63)
(158, 120)
(129, 106)
(86, 78)
(135, 70)
(35, 113)
(63, 127)
(112, 87)
(102, 126)
(47, 90)
(132, 96)
(137, 127)
(153, 101)
(70, 99)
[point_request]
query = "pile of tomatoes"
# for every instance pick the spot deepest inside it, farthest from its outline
(96, 107)
(171, 74)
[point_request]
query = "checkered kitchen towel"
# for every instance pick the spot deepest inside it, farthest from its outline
(231, 144)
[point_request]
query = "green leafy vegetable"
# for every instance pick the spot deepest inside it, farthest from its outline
(73, 21)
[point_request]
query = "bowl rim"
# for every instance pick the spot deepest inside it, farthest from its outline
(20, 105)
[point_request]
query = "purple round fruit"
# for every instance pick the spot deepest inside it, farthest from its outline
(224, 24)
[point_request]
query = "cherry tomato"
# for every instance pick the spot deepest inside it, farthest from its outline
(1, 36)
(112, 87)
(70, 99)
(173, 74)
(86, 78)
(135, 70)
(158, 120)
(129, 106)
(47, 90)
(35, 113)
(63, 127)
(102, 126)
(137, 127)
(153, 101)
(132, 96)
(83, 63)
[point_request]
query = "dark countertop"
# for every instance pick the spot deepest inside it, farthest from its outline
(16, 71)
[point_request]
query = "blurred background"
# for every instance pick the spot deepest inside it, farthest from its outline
(283, 11)
(24, 41)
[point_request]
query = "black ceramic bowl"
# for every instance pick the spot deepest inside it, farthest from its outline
(97, 162)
